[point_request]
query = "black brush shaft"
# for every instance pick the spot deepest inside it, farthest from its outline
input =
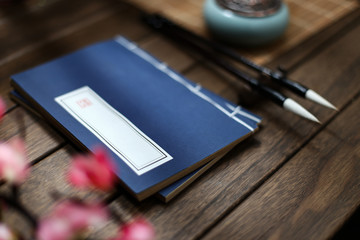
(264, 90)
(158, 21)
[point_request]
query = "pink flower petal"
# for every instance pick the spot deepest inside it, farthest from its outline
(5, 233)
(14, 166)
(53, 228)
(139, 229)
(77, 174)
(80, 215)
(71, 218)
(92, 171)
(2, 108)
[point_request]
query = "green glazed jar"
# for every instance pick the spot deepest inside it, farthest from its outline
(246, 22)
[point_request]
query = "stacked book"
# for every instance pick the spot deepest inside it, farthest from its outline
(161, 129)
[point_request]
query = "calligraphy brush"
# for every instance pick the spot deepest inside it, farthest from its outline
(277, 97)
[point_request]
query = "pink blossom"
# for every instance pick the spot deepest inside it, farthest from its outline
(53, 228)
(5, 233)
(138, 229)
(14, 165)
(95, 170)
(2, 108)
(70, 219)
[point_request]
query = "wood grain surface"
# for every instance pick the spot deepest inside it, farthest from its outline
(292, 180)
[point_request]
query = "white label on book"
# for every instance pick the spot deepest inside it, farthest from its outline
(136, 149)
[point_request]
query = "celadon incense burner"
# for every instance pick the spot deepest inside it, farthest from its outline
(246, 22)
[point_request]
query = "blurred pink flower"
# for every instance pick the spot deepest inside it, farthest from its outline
(53, 228)
(2, 108)
(138, 229)
(92, 170)
(14, 165)
(6, 233)
(70, 219)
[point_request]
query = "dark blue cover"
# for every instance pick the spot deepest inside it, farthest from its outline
(187, 125)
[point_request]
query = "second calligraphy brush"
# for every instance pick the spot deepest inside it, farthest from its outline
(277, 97)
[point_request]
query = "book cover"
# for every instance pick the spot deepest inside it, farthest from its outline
(157, 125)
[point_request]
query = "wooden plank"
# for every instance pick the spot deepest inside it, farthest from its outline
(29, 27)
(311, 196)
(252, 162)
(160, 48)
(304, 51)
(202, 75)
(11, 8)
(14, 123)
(4, 93)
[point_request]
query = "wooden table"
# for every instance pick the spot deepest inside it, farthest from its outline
(292, 180)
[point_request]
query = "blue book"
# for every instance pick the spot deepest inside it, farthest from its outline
(156, 124)
(168, 193)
